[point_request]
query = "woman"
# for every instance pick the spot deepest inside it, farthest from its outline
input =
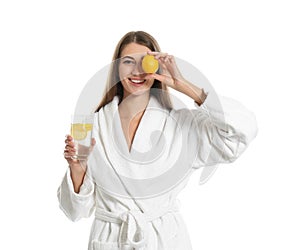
(138, 135)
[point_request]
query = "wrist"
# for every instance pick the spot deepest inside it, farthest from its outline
(202, 95)
(77, 168)
(196, 93)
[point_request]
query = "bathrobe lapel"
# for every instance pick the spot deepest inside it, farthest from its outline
(148, 143)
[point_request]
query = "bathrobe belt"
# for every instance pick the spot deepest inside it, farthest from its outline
(136, 220)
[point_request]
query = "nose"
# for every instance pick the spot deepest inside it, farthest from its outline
(138, 70)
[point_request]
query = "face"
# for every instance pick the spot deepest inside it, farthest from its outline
(130, 70)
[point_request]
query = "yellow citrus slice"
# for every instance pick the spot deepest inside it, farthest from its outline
(88, 126)
(78, 131)
(150, 64)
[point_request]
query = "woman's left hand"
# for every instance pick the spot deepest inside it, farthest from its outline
(170, 74)
(172, 77)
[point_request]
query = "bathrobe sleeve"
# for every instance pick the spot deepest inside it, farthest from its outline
(220, 129)
(76, 205)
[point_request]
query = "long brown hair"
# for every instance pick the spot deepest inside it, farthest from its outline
(114, 86)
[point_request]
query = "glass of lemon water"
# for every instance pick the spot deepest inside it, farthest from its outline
(81, 131)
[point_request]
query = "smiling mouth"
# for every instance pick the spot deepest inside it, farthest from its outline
(137, 81)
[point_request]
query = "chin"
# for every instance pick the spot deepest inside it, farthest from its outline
(136, 87)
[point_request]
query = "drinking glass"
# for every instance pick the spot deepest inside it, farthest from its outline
(81, 131)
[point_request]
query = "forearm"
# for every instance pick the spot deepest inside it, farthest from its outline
(191, 90)
(77, 176)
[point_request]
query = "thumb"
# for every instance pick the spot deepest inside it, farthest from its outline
(158, 77)
(93, 143)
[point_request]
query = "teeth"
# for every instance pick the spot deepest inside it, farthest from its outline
(137, 81)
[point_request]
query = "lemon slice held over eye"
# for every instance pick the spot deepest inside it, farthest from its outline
(150, 64)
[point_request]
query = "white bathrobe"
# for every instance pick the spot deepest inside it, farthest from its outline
(133, 193)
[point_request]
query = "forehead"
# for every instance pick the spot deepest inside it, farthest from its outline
(134, 48)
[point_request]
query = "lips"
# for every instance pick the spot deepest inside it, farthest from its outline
(137, 82)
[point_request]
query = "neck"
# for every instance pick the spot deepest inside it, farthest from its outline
(134, 105)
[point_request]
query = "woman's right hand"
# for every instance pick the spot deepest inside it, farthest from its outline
(77, 167)
(70, 153)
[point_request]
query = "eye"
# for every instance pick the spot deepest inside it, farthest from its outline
(128, 62)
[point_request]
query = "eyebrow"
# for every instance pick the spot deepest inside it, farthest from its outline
(127, 57)
(130, 57)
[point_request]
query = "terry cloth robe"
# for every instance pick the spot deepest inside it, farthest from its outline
(133, 193)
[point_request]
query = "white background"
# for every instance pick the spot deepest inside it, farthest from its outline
(249, 50)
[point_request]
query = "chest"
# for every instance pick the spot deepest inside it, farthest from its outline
(129, 127)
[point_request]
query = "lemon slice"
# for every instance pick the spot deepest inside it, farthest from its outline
(88, 126)
(79, 130)
(150, 64)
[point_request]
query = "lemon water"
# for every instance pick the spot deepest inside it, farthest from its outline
(82, 135)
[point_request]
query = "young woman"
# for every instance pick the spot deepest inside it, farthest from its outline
(144, 151)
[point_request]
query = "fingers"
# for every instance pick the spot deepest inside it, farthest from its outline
(69, 142)
(69, 139)
(158, 77)
(160, 56)
(165, 79)
(70, 150)
(93, 142)
(169, 72)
